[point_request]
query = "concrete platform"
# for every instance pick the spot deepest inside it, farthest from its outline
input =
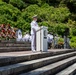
(16, 57)
(53, 51)
(21, 63)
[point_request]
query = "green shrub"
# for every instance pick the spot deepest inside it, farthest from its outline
(73, 45)
(73, 42)
(74, 31)
(61, 41)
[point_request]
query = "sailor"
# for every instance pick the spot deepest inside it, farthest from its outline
(26, 37)
(49, 40)
(30, 39)
(34, 27)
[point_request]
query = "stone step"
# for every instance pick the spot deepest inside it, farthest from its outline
(71, 70)
(52, 69)
(54, 61)
(11, 58)
(16, 42)
(15, 45)
(13, 49)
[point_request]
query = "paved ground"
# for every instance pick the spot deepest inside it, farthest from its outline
(20, 53)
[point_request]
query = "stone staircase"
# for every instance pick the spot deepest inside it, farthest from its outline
(53, 62)
(12, 46)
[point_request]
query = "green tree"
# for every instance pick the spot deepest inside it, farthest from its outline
(8, 13)
(18, 3)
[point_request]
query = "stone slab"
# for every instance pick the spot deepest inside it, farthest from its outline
(30, 65)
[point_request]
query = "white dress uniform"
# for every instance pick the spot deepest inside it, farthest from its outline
(49, 38)
(26, 37)
(34, 27)
(30, 39)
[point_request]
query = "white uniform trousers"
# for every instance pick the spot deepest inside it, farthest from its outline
(33, 42)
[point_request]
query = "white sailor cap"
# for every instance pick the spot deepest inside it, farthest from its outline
(35, 16)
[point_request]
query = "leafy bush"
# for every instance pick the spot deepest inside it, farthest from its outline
(61, 40)
(60, 28)
(74, 31)
(73, 42)
(73, 45)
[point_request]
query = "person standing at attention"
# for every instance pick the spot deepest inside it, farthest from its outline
(34, 27)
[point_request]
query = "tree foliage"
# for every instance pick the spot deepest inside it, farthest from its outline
(8, 13)
(18, 3)
(55, 14)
